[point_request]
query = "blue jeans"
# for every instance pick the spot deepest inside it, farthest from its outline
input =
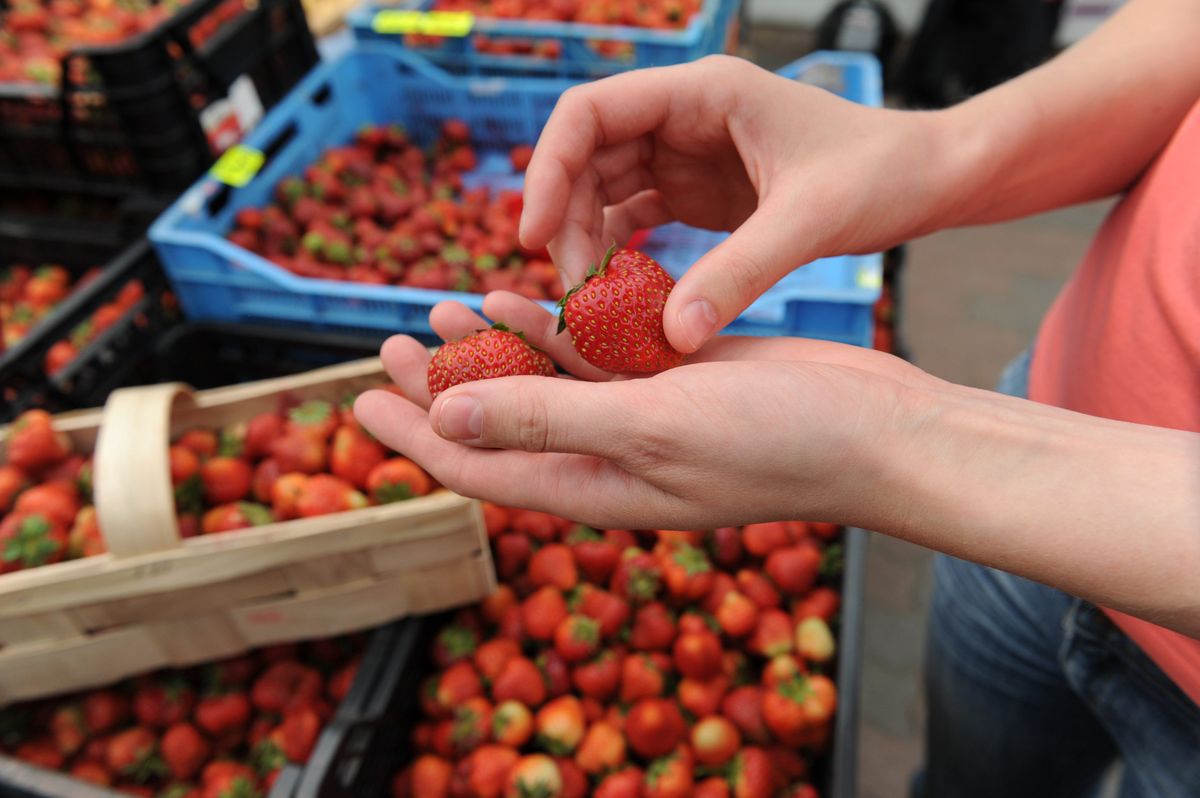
(1032, 692)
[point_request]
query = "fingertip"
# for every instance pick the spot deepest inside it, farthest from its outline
(689, 321)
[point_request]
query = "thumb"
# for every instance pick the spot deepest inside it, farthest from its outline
(539, 414)
(765, 248)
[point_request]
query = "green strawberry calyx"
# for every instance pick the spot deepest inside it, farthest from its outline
(594, 271)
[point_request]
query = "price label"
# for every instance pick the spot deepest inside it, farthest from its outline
(238, 165)
(869, 276)
(429, 23)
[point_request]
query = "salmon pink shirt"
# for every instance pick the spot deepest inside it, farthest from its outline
(1122, 340)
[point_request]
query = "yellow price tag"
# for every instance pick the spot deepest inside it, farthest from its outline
(238, 165)
(869, 276)
(429, 23)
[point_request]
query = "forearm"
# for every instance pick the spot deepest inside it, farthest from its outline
(1100, 509)
(1080, 127)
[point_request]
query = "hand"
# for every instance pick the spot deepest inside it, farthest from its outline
(748, 430)
(796, 172)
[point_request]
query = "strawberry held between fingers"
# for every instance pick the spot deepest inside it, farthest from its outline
(484, 355)
(615, 314)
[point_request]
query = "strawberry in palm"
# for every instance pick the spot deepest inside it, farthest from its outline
(494, 352)
(615, 314)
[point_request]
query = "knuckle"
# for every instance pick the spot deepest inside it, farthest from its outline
(532, 424)
(747, 272)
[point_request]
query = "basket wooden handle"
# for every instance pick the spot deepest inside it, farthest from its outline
(135, 502)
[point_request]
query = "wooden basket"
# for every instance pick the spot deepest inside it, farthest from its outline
(157, 600)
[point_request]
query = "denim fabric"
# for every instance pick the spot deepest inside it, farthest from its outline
(1032, 692)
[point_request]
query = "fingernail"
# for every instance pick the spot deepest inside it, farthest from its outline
(697, 320)
(461, 419)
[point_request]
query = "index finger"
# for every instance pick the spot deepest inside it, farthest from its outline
(587, 118)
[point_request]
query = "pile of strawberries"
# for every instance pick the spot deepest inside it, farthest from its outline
(647, 663)
(221, 730)
(36, 34)
(637, 13)
(381, 210)
(301, 460)
(651, 14)
(28, 294)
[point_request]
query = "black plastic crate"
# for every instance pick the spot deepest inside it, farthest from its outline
(111, 359)
(359, 753)
(21, 780)
(128, 117)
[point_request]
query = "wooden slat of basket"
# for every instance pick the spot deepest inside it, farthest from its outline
(424, 522)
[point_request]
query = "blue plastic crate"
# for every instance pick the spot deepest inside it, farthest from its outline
(217, 280)
(708, 31)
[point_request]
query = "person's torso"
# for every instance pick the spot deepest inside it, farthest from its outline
(1122, 340)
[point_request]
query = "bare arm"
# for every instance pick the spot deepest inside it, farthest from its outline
(1083, 126)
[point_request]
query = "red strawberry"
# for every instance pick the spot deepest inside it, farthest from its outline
(737, 614)
(602, 749)
(521, 681)
(184, 750)
(762, 539)
(104, 710)
(315, 418)
(751, 774)
(725, 545)
(794, 569)
(773, 634)
(491, 656)
(596, 557)
(265, 475)
(615, 314)
(822, 602)
(712, 787)
(669, 777)
(698, 655)
(57, 500)
(642, 676)
(12, 481)
(542, 612)
(132, 753)
(556, 674)
(453, 643)
(560, 725)
(230, 517)
(354, 454)
(512, 723)
(654, 727)
(625, 783)
(92, 773)
(638, 576)
(743, 705)
(702, 698)
(68, 728)
(576, 638)
(299, 452)
(653, 628)
(33, 444)
(553, 565)
(395, 480)
(495, 352)
(226, 479)
(610, 611)
(201, 441)
(261, 432)
(324, 494)
(599, 677)
(687, 572)
(758, 589)
(512, 552)
(218, 714)
(520, 156)
(285, 684)
(159, 704)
